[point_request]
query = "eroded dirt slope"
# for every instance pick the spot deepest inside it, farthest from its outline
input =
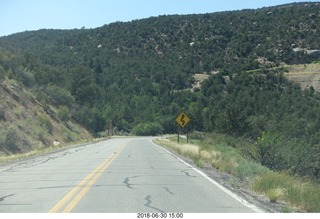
(305, 75)
(25, 124)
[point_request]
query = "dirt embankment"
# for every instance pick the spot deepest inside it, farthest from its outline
(305, 75)
(25, 124)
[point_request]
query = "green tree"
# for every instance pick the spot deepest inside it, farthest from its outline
(64, 113)
(147, 129)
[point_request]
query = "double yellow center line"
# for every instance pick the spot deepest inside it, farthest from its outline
(70, 200)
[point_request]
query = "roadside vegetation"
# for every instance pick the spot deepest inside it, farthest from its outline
(231, 155)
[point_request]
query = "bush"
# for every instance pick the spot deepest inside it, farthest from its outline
(27, 78)
(2, 115)
(2, 73)
(42, 136)
(15, 141)
(68, 135)
(147, 129)
(46, 123)
(303, 194)
(196, 135)
(288, 154)
(60, 96)
(64, 114)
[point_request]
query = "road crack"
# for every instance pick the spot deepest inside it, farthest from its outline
(168, 190)
(4, 197)
(126, 181)
(149, 202)
(188, 174)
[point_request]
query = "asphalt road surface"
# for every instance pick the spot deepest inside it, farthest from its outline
(127, 175)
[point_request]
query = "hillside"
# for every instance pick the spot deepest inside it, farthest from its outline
(224, 70)
(25, 124)
(151, 57)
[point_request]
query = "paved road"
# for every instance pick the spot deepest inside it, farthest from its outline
(119, 175)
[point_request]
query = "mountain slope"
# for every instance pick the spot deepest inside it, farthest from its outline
(137, 60)
(283, 33)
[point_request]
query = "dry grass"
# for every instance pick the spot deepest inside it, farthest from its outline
(201, 156)
(304, 69)
(188, 150)
(300, 194)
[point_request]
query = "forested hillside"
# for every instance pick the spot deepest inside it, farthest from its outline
(137, 76)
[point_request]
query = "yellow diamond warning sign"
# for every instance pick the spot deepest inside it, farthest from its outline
(182, 120)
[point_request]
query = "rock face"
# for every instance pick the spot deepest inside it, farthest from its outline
(198, 79)
(305, 75)
(313, 52)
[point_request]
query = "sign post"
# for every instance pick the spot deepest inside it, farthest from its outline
(183, 120)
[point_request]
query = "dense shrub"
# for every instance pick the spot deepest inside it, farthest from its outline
(147, 129)
(2, 115)
(60, 96)
(291, 154)
(64, 114)
(46, 122)
(15, 141)
(2, 73)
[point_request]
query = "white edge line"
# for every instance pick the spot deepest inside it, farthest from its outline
(236, 197)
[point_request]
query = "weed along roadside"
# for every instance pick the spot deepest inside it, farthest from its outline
(276, 191)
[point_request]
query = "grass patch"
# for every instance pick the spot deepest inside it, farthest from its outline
(299, 193)
(274, 194)
(46, 122)
(188, 150)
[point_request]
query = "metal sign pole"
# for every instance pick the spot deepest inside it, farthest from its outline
(182, 120)
(187, 134)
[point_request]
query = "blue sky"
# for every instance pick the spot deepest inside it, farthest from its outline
(21, 15)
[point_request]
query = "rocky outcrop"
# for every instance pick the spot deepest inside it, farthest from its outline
(313, 52)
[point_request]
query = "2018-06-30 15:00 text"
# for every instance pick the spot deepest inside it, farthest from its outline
(159, 215)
